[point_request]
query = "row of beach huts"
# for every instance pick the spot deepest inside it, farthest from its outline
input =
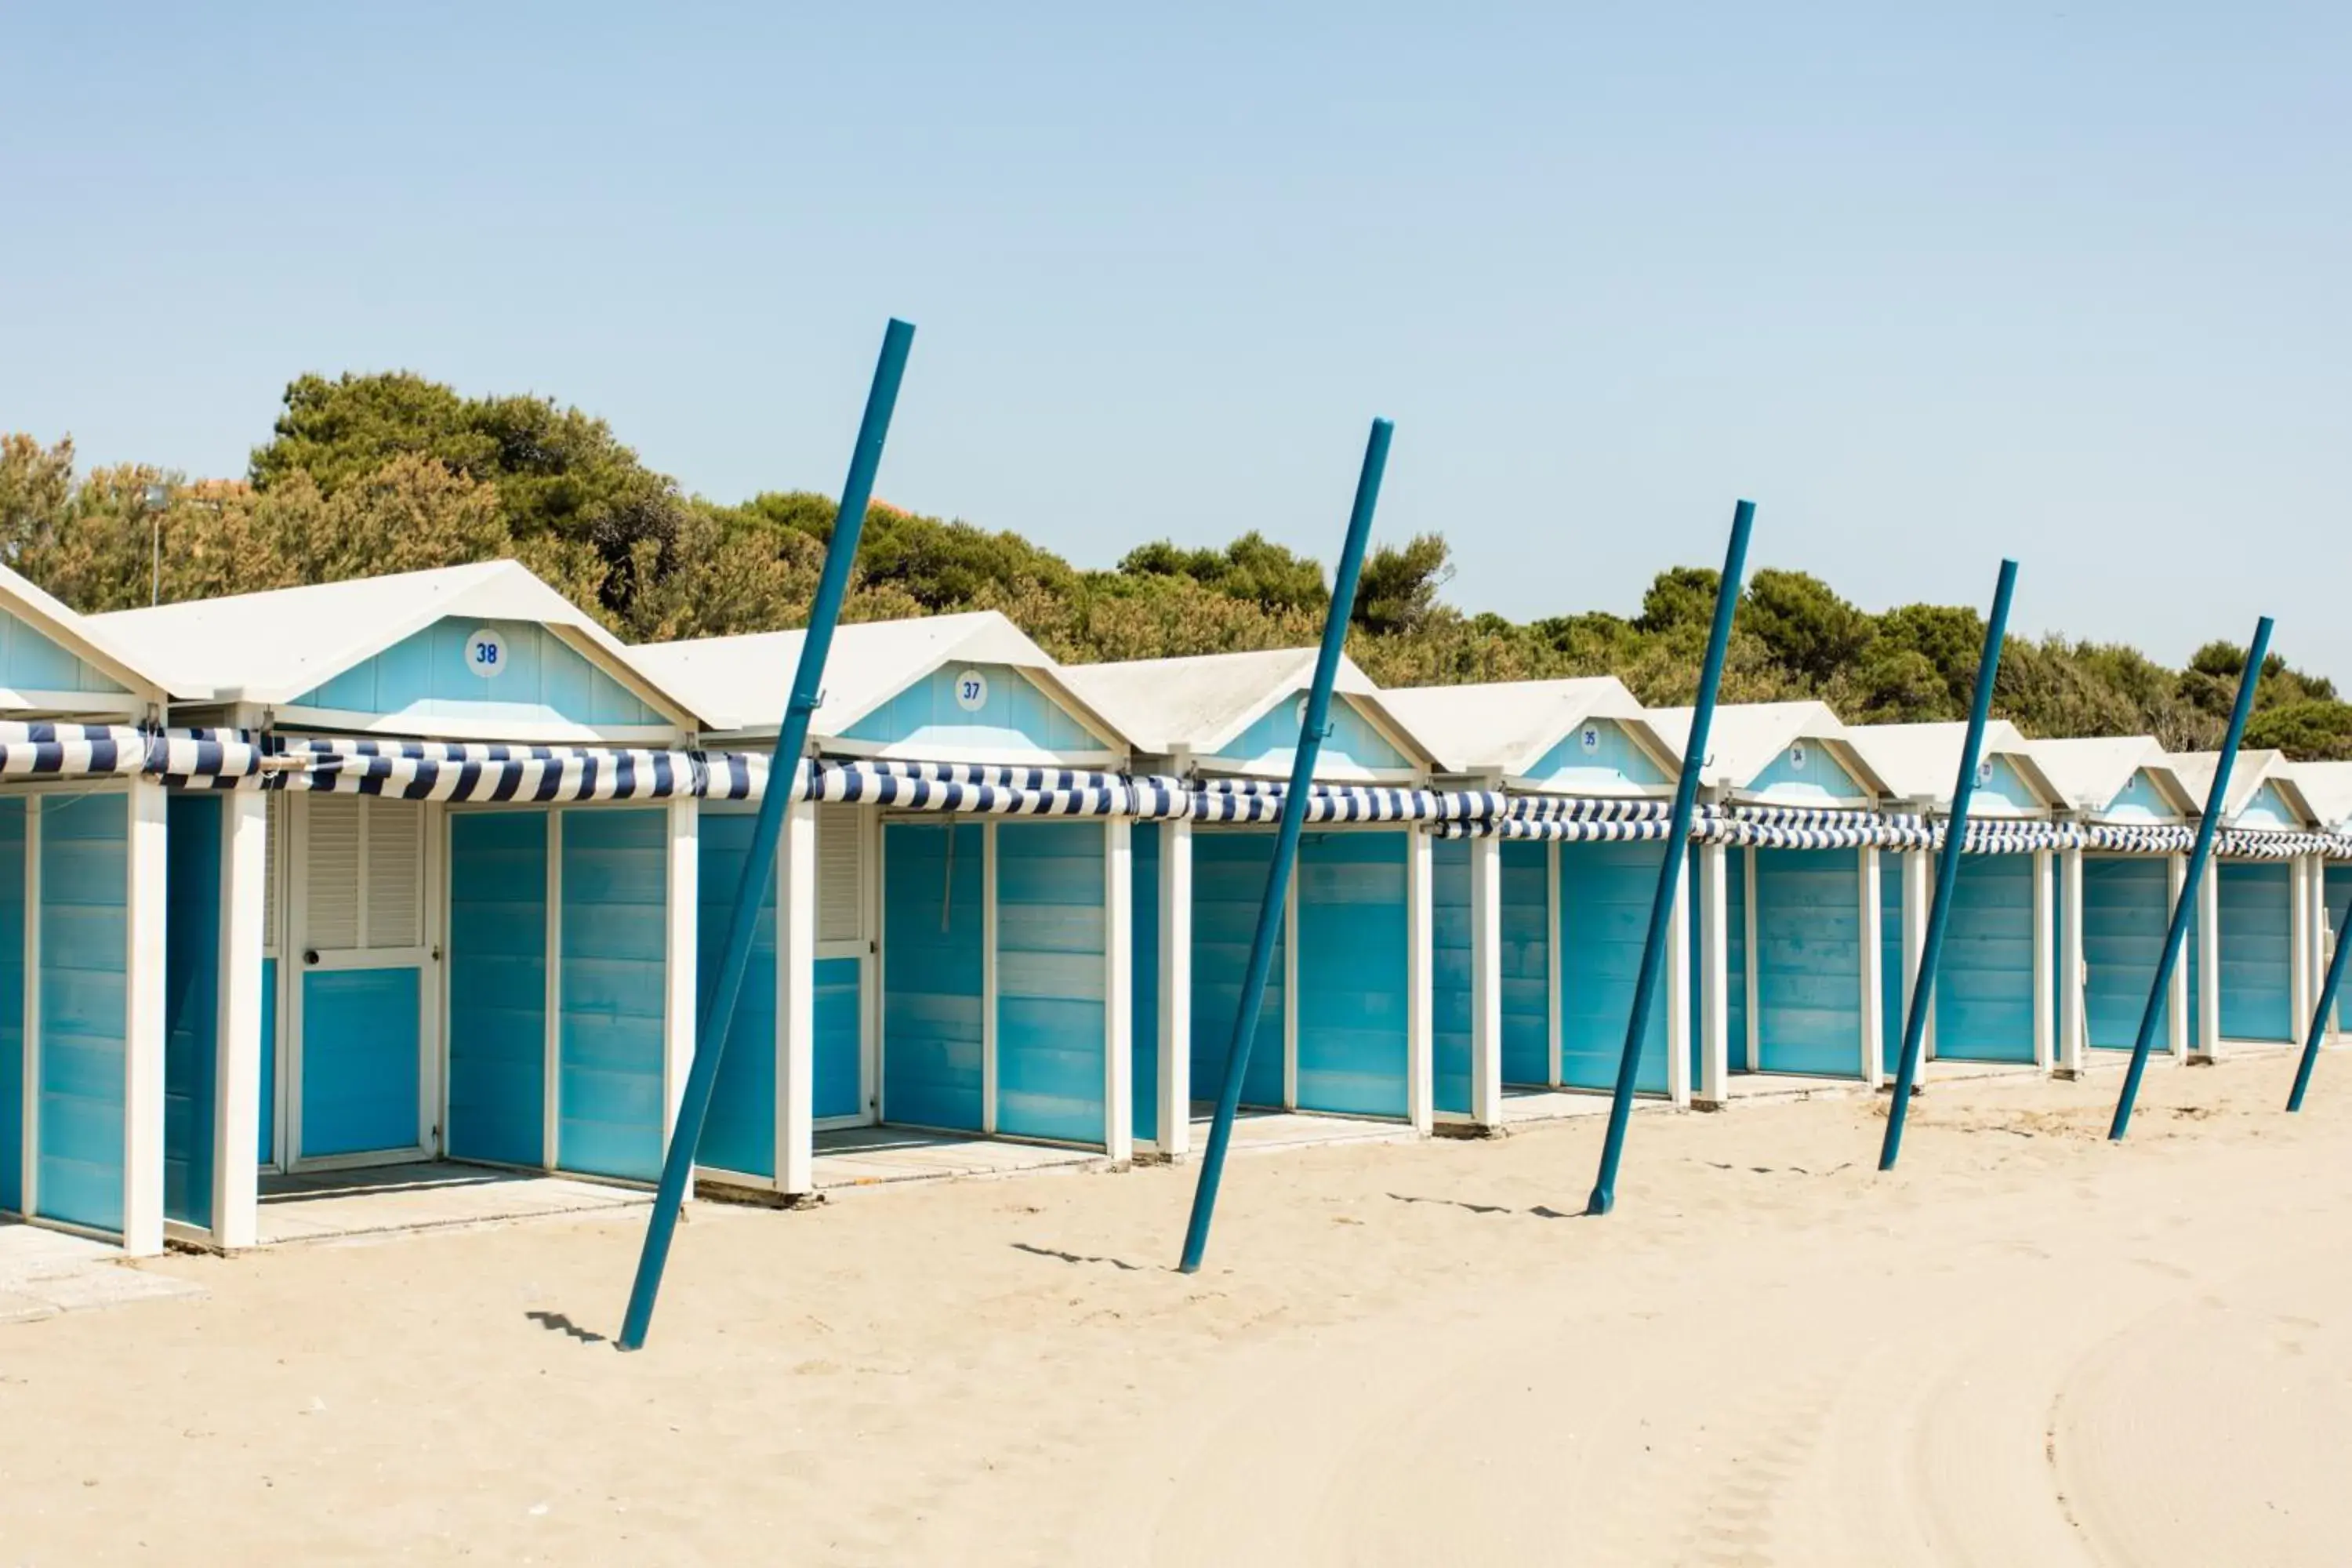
(423, 867)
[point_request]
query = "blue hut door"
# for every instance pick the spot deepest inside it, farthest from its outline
(358, 1049)
(934, 947)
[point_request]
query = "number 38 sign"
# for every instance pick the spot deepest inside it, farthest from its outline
(485, 654)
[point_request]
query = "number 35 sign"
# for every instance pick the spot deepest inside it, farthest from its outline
(485, 654)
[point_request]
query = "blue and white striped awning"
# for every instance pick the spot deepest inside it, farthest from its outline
(421, 769)
(1562, 829)
(979, 789)
(70, 751)
(2138, 837)
(2257, 844)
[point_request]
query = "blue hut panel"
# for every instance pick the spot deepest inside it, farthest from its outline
(1805, 772)
(462, 669)
(2268, 809)
(2126, 905)
(1355, 741)
(2141, 801)
(1600, 758)
(978, 707)
(31, 661)
(2001, 790)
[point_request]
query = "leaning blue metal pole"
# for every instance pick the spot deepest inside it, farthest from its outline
(2319, 1015)
(758, 863)
(2216, 800)
(1670, 874)
(1312, 728)
(1948, 870)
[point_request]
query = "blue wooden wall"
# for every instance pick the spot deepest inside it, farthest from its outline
(612, 955)
(1016, 715)
(740, 1133)
(1229, 877)
(1735, 898)
(1984, 983)
(498, 986)
(430, 676)
(1052, 980)
(1450, 972)
(1605, 893)
(2140, 801)
(2257, 947)
(1804, 773)
(29, 661)
(2268, 809)
(2001, 790)
(1143, 987)
(1598, 756)
(85, 927)
(1527, 961)
(1893, 870)
(1808, 962)
(12, 1005)
(360, 1058)
(2125, 911)
(932, 963)
(1273, 740)
(192, 966)
(1352, 972)
(2336, 893)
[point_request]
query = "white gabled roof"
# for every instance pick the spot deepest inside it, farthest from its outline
(1508, 726)
(2327, 788)
(272, 646)
(2090, 770)
(1747, 736)
(744, 682)
(1200, 703)
(2255, 768)
(81, 635)
(1922, 761)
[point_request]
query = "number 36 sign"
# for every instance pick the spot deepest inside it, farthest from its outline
(485, 654)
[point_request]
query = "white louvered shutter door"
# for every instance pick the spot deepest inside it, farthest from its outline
(840, 874)
(331, 873)
(396, 874)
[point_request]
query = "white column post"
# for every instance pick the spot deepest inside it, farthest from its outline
(1874, 1022)
(1421, 1084)
(142, 1040)
(29, 1169)
(1119, 989)
(1919, 885)
(1679, 1022)
(238, 1087)
(1753, 961)
(1714, 976)
(987, 973)
(1553, 968)
(682, 1000)
(2176, 879)
(2073, 1026)
(2302, 988)
(796, 1001)
(2207, 1047)
(1175, 1128)
(1486, 982)
(2045, 1021)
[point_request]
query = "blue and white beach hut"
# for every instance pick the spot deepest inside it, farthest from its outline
(446, 828)
(1346, 1025)
(2251, 978)
(1789, 900)
(953, 910)
(1540, 908)
(2327, 788)
(2116, 888)
(1996, 986)
(84, 1092)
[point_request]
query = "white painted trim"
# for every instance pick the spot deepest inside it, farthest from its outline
(2176, 879)
(2207, 1043)
(1677, 980)
(681, 909)
(29, 1127)
(869, 974)
(550, 1125)
(1420, 1055)
(1918, 888)
(1714, 975)
(1553, 1030)
(1119, 989)
(795, 1043)
(2302, 988)
(1752, 1014)
(2045, 1021)
(879, 1098)
(1175, 1064)
(988, 998)
(1873, 959)
(282, 829)
(1289, 986)
(2072, 1024)
(432, 1001)
(143, 1025)
(238, 1087)
(557, 732)
(1486, 980)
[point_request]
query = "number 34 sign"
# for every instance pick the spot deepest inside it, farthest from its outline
(485, 654)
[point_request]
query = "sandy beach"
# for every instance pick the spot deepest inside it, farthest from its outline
(2026, 1347)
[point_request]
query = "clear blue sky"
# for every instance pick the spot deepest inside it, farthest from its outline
(2072, 281)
